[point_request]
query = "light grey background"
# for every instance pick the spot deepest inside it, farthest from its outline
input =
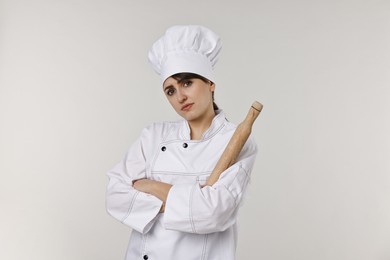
(76, 89)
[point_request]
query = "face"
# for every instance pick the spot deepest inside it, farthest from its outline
(191, 98)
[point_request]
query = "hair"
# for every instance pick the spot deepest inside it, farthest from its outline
(186, 75)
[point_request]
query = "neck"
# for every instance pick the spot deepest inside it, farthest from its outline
(198, 127)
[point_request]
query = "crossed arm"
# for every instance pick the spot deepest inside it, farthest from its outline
(155, 188)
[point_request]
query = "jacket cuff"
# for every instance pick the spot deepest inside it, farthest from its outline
(177, 215)
(143, 212)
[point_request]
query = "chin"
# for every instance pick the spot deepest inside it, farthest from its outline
(188, 116)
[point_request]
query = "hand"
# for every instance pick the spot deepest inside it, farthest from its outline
(162, 209)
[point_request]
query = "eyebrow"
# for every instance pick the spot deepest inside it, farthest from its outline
(167, 87)
(179, 81)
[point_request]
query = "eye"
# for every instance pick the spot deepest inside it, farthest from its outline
(169, 91)
(187, 83)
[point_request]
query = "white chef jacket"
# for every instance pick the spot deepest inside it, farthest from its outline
(198, 223)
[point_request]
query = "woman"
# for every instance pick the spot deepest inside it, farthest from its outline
(158, 189)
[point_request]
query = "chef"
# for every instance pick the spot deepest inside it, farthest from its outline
(158, 189)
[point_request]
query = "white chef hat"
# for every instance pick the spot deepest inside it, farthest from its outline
(186, 48)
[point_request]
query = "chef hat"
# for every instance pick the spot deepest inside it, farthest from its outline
(185, 48)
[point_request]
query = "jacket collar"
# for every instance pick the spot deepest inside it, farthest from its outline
(216, 124)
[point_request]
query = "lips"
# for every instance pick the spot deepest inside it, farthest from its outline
(186, 107)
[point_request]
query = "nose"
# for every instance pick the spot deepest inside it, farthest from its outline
(181, 96)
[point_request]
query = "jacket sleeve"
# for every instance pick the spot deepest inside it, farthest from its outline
(190, 208)
(135, 209)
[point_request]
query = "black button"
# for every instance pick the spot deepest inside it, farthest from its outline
(163, 148)
(146, 257)
(185, 145)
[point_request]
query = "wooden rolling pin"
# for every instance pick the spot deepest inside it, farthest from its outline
(237, 141)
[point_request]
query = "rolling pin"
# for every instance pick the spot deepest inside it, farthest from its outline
(236, 143)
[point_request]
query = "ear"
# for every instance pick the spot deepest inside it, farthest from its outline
(212, 86)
